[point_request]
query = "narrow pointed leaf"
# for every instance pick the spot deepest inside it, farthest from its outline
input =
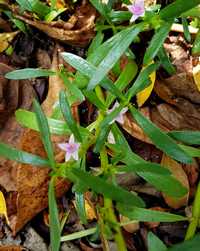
(114, 55)
(160, 139)
(21, 156)
(142, 214)
(154, 243)
(101, 186)
(45, 133)
(55, 229)
(67, 114)
(156, 42)
(29, 73)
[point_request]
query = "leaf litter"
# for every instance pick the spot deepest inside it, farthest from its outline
(171, 102)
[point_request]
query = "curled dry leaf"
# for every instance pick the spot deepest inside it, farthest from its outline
(179, 173)
(78, 30)
(5, 39)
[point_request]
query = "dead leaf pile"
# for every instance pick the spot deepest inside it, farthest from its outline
(78, 30)
(26, 185)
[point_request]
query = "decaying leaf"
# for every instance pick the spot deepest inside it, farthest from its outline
(3, 208)
(78, 30)
(179, 173)
(5, 39)
(145, 94)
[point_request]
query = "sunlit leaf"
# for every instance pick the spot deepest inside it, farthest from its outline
(3, 208)
(5, 39)
(143, 95)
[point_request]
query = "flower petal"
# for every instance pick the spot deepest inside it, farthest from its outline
(63, 146)
(71, 139)
(75, 155)
(67, 156)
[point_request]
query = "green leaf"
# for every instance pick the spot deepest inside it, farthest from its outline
(156, 42)
(45, 133)
(120, 16)
(142, 214)
(101, 139)
(21, 156)
(196, 45)
(73, 93)
(80, 207)
(101, 186)
(187, 137)
(154, 243)
(114, 54)
(126, 76)
(103, 9)
(190, 245)
(178, 7)
(160, 139)
(142, 80)
(165, 61)
(186, 29)
(87, 69)
(191, 151)
(25, 4)
(79, 234)
(93, 98)
(96, 42)
(55, 229)
(145, 167)
(67, 114)
(53, 14)
(28, 119)
(40, 8)
(29, 73)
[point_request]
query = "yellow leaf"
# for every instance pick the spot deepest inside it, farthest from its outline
(3, 209)
(144, 94)
(5, 39)
(196, 75)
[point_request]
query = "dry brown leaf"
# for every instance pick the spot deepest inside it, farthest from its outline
(12, 248)
(55, 84)
(78, 30)
(179, 173)
(133, 129)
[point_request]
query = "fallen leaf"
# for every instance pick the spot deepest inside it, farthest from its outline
(179, 173)
(5, 39)
(133, 129)
(196, 75)
(145, 94)
(12, 248)
(78, 30)
(3, 208)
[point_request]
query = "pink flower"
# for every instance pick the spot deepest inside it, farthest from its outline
(71, 148)
(119, 118)
(137, 9)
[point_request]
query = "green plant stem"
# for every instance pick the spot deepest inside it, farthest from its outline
(109, 207)
(116, 228)
(195, 215)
